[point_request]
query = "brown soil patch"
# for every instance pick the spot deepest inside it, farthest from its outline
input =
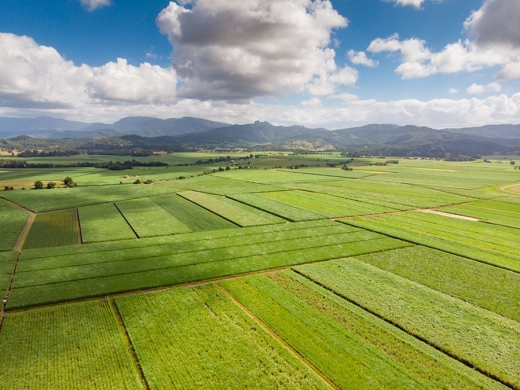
(456, 216)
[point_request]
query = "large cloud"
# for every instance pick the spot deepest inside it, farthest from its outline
(34, 76)
(238, 50)
(496, 42)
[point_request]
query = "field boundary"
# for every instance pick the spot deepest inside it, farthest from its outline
(4, 305)
(416, 336)
(128, 340)
(277, 337)
(80, 235)
(25, 232)
(344, 220)
(126, 220)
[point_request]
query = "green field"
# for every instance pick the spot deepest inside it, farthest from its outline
(456, 276)
(62, 277)
(77, 346)
(185, 344)
(235, 212)
(487, 341)
(149, 219)
(489, 211)
(398, 276)
(326, 205)
(496, 245)
(13, 222)
(194, 217)
(64, 198)
(53, 229)
(7, 261)
(103, 222)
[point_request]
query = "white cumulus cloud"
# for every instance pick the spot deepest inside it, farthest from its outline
(240, 50)
(413, 3)
(360, 58)
(475, 89)
(91, 5)
(496, 42)
(34, 76)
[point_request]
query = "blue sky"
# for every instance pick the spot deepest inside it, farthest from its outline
(423, 62)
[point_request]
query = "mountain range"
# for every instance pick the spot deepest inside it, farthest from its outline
(145, 133)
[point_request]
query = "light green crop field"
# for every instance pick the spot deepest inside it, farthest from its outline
(489, 211)
(149, 219)
(195, 217)
(352, 347)
(231, 210)
(63, 198)
(53, 229)
(492, 244)
(187, 338)
(456, 276)
(12, 223)
(78, 346)
(103, 222)
(271, 176)
(284, 210)
(487, 341)
(397, 276)
(326, 205)
(399, 196)
(212, 184)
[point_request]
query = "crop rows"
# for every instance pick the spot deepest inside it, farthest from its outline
(493, 244)
(13, 222)
(421, 361)
(326, 205)
(209, 239)
(53, 229)
(272, 177)
(310, 326)
(7, 260)
(187, 338)
(495, 212)
(284, 210)
(64, 198)
(149, 219)
(231, 210)
(398, 196)
(66, 347)
(194, 217)
(485, 340)
(103, 222)
(219, 185)
(59, 279)
(442, 179)
(334, 172)
(456, 276)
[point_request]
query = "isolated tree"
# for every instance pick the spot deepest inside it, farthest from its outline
(51, 185)
(512, 162)
(38, 185)
(228, 168)
(69, 182)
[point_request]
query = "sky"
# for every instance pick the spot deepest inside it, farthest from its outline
(317, 63)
